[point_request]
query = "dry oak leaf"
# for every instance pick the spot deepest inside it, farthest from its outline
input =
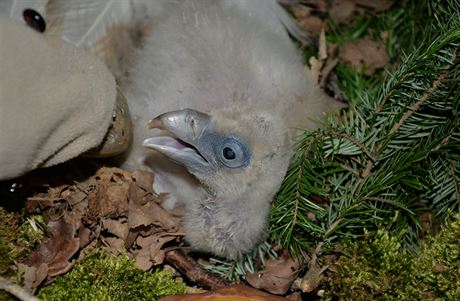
(150, 253)
(364, 55)
(108, 192)
(116, 245)
(341, 11)
(307, 22)
(84, 234)
(144, 210)
(311, 24)
(278, 276)
(57, 249)
(116, 227)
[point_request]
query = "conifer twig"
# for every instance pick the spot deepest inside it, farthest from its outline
(374, 163)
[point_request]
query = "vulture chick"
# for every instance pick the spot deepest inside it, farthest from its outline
(229, 88)
(233, 61)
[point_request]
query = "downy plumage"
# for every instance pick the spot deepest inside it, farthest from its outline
(232, 60)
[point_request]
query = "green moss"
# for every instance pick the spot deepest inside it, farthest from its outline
(18, 237)
(378, 269)
(435, 273)
(30, 236)
(103, 277)
(9, 231)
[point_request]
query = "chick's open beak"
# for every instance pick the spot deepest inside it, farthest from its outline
(183, 145)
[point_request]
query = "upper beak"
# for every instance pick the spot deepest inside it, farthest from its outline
(183, 146)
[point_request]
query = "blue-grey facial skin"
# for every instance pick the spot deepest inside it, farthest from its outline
(224, 151)
(212, 150)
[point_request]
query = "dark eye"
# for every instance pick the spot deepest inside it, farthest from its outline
(34, 20)
(228, 153)
(234, 153)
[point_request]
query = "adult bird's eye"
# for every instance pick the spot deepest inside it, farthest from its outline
(234, 153)
(34, 20)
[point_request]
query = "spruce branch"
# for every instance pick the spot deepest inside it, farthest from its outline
(386, 160)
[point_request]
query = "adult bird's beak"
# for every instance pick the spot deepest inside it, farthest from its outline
(185, 144)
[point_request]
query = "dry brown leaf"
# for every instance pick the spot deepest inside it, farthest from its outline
(116, 244)
(156, 254)
(329, 65)
(277, 277)
(144, 210)
(144, 179)
(300, 11)
(311, 280)
(327, 69)
(74, 214)
(322, 67)
(235, 292)
(57, 249)
(310, 16)
(108, 194)
(143, 261)
(376, 5)
(84, 234)
(364, 55)
(341, 11)
(150, 252)
(306, 20)
(145, 241)
(311, 24)
(33, 276)
(117, 195)
(116, 227)
(96, 210)
(73, 196)
(158, 258)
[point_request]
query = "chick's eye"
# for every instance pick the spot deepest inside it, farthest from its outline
(234, 153)
(228, 153)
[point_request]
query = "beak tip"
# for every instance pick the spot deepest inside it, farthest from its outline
(155, 123)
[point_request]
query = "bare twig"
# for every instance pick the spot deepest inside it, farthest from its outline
(194, 271)
(311, 280)
(416, 105)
